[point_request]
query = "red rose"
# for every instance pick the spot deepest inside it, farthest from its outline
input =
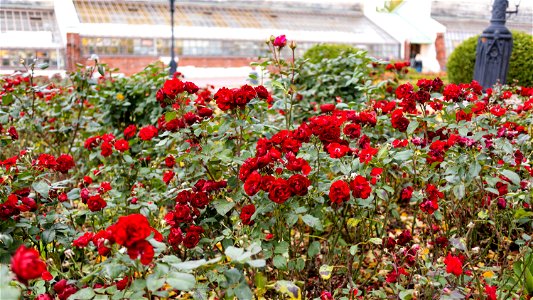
(490, 291)
(171, 88)
(142, 248)
(65, 162)
(130, 131)
(83, 240)
(224, 99)
(337, 150)
(366, 155)
(252, 185)
(404, 238)
(12, 131)
(360, 187)
(498, 111)
(191, 239)
(190, 118)
(327, 107)
(175, 237)
(454, 265)
(27, 264)
(122, 145)
(96, 203)
(299, 184)
(199, 200)
(101, 239)
(148, 132)
(404, 91)
(247, 212)
(280, 41)
(130, 229)
(352, 130)
(429, 206)
(184, 197)
(170, 161)
(167, 176)
(262, 92)
(406, 193)
(62, 197)
(191, 88)
(46, 161)
(339, 192)
(44, 297)
(105, 187)
(243, 95)
(399, 121)
(205, 112)
(280, 191)
(123, 283)
(107, 149)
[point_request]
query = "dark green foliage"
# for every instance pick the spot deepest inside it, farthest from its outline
(462, 60)
(131, 100)
(326, 51)
(333, 71)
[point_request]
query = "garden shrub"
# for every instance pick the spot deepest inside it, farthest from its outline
(327, 51)
(462, 60)
(235, 194)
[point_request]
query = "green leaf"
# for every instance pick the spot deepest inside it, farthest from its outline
(403, 155)
(86, 293)
(169, 116)
(153, 282)
(314, 249)
(41, 187)
(7, 291)
(223, 206)
(512, 176)
(101, 70)
(459, 191)
(529, 281)
(243, 291)
(233, 275)
(413, 125)
(189, 265)
(280, 262)
(48, 236)
(313, 222)
(127, 159)
(376, 241)
(257, 263)
(181, 281)
(74, 194)
(406, 294)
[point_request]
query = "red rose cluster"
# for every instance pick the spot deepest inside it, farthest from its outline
(62, 164)
(431, 202)
(187, 210)
(107, 142)
(17, 202)
(228, 99)
(129, 231)
(173, 90)
(95, 201)
(399, 66)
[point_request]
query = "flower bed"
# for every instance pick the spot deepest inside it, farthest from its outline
(147, 187)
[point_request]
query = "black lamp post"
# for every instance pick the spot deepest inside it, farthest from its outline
(173, 64)
(494, 48)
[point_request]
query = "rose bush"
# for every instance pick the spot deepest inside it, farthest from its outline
(421, 191)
